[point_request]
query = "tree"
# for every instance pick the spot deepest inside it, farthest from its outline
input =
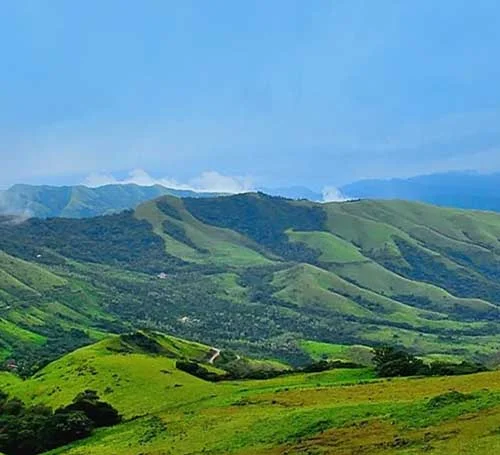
(390, 361)
(65, 427)
(99, 412)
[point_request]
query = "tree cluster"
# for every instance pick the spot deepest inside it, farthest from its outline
(392, 362)
(29, 430)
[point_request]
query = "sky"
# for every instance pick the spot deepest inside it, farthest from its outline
(234, 94)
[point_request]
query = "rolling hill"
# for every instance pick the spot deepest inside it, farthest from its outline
(259, 284)
(265, 276)
(262, 275)
(341, 411)
(81, 201)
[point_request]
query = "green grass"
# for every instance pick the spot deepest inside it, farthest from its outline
(332, 248)
(32, 275)
(257, 274)
(214, 245)
(168, 411)
(350, 353)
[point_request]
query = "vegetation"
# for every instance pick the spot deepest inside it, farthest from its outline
(36, 429)
(392, 362)
(348, 410)
(263, 276)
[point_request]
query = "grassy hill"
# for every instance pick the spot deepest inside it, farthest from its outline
(260, 275)
(341, 411)
(80, 201)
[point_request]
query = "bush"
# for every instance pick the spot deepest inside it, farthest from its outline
(448, 398)
(390, 362)
(102, 414)
(36, 429)
(325, 365)
(195, 369)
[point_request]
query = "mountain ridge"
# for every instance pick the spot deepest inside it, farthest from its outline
(468, 190)
(80, 201)
(259, 274)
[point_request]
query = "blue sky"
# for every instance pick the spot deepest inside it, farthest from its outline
(251, 93)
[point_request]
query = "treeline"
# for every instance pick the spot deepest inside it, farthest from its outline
(29, 430)
(241, 370)
(392, 362)
(120, 240)
(388, 362)
(263, 219)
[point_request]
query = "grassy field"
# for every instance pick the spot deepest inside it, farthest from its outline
(340, 411)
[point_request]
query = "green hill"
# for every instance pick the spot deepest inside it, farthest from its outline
(340, 411)
(81, 201)
(260, 275)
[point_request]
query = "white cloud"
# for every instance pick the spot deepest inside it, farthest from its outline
(95, 179)
(209, 181)
(213, 181)
(332, 194)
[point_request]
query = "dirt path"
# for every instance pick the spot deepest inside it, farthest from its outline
(215, 355)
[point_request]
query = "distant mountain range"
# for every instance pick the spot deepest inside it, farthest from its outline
(468, 190)
(81, 201)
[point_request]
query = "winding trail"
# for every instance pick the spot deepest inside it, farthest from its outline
(215, 355)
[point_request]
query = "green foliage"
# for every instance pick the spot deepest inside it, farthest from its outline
(197, 370)
(32, 430)
(102, 414)
(390, 362)
(454, 369)
(262, 218)
(129, 243)
(254, 274)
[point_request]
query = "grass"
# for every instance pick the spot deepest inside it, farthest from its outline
(213, 244)
(332, 248)
(349, 353)
(347, 280)
(338, 411)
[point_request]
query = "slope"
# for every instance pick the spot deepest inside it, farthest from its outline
(81, 201)
(44, 314)
(337, 411)
(262, 275)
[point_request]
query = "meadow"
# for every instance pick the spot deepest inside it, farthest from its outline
(340, 411)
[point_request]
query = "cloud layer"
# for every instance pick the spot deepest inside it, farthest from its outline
(332, 194)
(208, 181)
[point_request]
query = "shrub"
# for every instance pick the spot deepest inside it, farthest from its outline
(391, 362)
(102, 414)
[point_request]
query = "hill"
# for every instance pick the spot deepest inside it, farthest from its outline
(340, 411)
(264, 276)
(466, 190)
(81, 201)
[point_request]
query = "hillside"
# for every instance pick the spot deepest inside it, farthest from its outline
(466, 190)
(264, 276)
(81, 201)
(340, 411)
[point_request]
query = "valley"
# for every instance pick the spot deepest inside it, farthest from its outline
(251, 320)
(258, 274)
